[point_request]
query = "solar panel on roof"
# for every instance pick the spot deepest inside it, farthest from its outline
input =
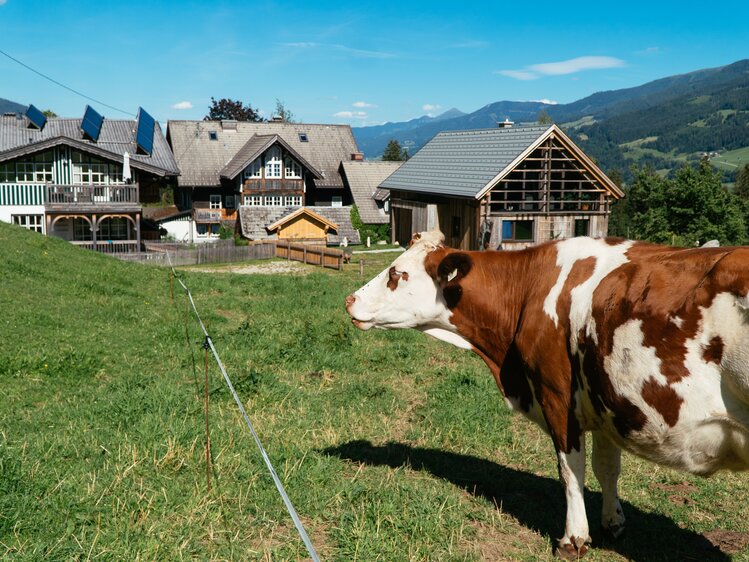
(91, 123)
(36, 117)
(144, 132)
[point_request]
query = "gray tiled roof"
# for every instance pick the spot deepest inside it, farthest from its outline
(255, 220)
(462, 163)
(201, 160)
(363, 179)
(117, 137)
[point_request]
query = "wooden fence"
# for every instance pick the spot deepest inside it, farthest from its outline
(315, 255)
(156, 254)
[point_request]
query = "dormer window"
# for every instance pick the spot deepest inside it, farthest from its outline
(303, 137)
(212, 135)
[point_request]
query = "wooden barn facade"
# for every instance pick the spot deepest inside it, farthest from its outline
(506, 187)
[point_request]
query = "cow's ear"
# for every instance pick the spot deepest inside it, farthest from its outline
(453, 268)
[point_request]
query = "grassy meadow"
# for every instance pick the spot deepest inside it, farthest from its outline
(391, 445)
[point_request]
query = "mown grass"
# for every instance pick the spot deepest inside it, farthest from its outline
(392, 446)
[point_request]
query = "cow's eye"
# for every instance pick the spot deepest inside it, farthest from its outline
(394, 276)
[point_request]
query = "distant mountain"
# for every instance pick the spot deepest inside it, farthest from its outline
(415, 133)
(7, 106)
(663, 123)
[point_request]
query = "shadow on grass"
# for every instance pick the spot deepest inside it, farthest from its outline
(537, 502)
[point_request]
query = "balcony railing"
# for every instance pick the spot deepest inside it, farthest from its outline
(108, 246)
(207, 215)
(255, 185)
(107, 195)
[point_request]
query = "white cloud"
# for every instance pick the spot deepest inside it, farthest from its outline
(363, 104)
(578, 64)
(351, 114)
(180, 105)
(650, 51)
(546, 101)
(564, 67)
(431, 107)
(518, 74)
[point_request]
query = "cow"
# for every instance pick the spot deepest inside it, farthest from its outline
(644, 346)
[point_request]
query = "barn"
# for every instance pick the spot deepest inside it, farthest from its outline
(507, 187)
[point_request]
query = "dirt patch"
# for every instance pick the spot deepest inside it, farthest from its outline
(503, 540)
(679, 492)
(269, 268)
(729, 542)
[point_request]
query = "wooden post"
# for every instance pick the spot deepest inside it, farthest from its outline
(305, 254)
(207, 434)
(361, 267)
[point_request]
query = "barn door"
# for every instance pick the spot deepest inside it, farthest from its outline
(403, 225)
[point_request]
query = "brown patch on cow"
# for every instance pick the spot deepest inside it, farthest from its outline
(393, 278)
(730, 542)
(713, 353)
(664, 399)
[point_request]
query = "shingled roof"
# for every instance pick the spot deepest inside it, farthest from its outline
(468, 163)
(255, 220)
(254, 148)
(117, 137)
(364, 178)
(202, 160)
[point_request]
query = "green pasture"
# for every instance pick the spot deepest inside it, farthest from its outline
(731, 160)
(391, 445)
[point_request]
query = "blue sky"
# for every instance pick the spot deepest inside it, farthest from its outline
(360, 63)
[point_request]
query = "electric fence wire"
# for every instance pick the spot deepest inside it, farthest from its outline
(279, 486)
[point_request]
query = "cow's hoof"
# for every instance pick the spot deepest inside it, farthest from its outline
(613, 532)
(569, 551)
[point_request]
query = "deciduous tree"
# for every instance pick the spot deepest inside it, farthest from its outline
(231, 109)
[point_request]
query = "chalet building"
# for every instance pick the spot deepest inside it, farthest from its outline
(509, 187)
(249, 176)
(364, 179)
(83, 180)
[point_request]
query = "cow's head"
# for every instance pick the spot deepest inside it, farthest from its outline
(417, 291)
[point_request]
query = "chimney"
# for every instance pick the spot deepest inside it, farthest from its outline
(506, 124)
(228, 124)
(357, 156)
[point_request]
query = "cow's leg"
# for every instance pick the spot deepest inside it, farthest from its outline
(576, 538)
(607, 466)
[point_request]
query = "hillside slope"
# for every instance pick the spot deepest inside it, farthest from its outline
(7, 106)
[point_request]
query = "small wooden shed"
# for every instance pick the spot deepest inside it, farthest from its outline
(302, 224)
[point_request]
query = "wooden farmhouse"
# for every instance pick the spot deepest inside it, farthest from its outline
(255, 177)
(507, 187)
(83, 180)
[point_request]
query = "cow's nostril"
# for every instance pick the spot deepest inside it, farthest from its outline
(350, 300)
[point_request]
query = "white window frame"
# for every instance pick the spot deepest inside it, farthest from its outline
(254, 170)
(292, 168)
(214, 202)
(273, 201)
(273, 162)
(336, 201)
(34, 223)
(253, 200)
(293, 200)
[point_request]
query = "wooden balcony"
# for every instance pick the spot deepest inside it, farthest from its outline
(254, 186)
(109, 246)
(107, 197)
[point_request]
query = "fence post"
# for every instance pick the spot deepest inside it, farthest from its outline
(361, 267)
(305, 254)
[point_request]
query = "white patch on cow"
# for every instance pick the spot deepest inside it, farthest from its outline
(607, 257)
(629, 366)
(449, 337)
(414, 303)
(676, 321)
(452, 275)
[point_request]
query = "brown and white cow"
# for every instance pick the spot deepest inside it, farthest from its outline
(645, 346)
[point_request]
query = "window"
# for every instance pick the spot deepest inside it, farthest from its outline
(303, 137)
(582, 227)
(8, 173)
(254, 170)
(213, 135)
(518, 231)
(208, 230)
(337, 201)
(25, 171)
(81, 230)
(273, 201)
(89, 170)
(43, 166)
(293, 200)
(253, 200)
(113, 229)
(32, 222)
(202, 229)
(292, 169)
(215, 202)
(273, 163)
